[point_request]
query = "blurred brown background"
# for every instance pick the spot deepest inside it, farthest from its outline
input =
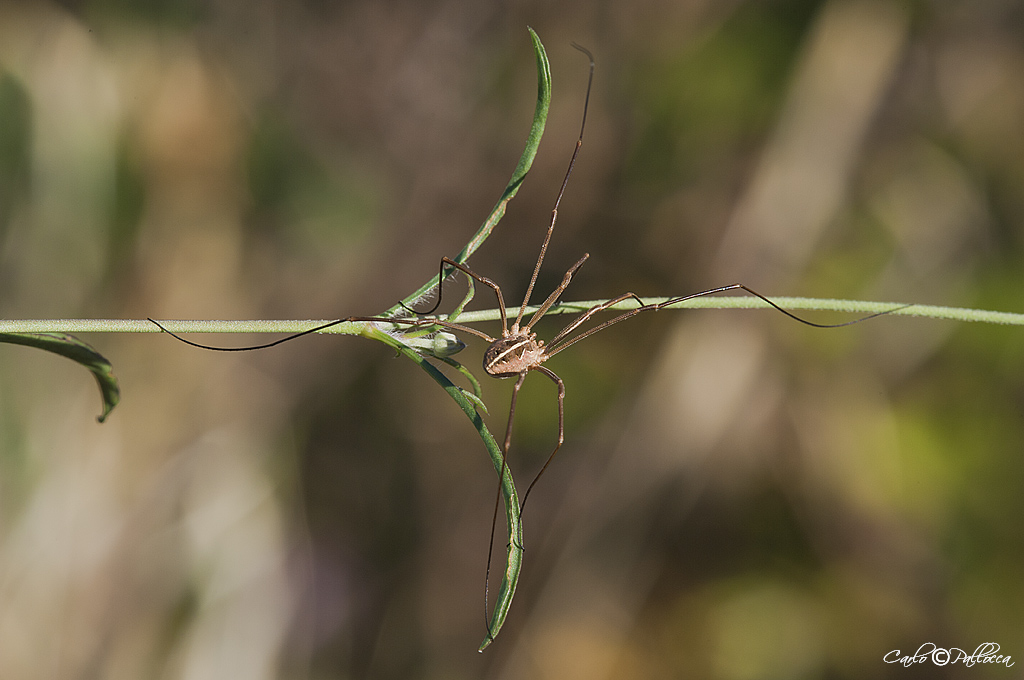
(739, 497)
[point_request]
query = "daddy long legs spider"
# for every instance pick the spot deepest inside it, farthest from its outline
(517, 351)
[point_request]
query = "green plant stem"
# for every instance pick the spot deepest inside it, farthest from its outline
(790, 303)
(360, 327)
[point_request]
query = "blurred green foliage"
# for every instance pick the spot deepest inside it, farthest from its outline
(15, 133)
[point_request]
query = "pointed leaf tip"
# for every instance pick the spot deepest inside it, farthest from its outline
(71, 347)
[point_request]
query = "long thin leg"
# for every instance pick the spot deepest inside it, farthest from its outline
(582, 318)
(553, 298)
(554, 211)
(497, 499)
(740, 286)
(601, 326)
(482, 279)
(441, 276)
(383, 319)
(554, 348)
(252, 347)
(561, 431)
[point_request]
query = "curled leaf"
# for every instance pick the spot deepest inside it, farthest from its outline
(71, 347)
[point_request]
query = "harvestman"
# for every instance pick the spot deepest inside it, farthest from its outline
(518, 351)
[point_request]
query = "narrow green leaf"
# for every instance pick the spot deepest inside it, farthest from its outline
(71, 347)
(540, 118)
(514, 557)
(515, 540)
(477, 394)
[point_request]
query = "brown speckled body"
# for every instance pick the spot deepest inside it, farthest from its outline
(513, 355)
